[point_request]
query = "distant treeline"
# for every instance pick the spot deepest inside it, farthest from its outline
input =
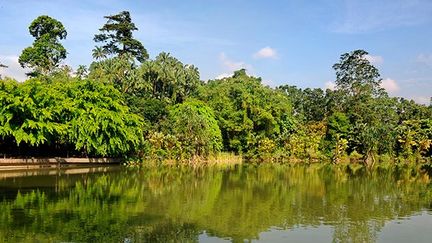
(127, 105)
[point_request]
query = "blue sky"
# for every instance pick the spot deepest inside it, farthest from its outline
(284, 42)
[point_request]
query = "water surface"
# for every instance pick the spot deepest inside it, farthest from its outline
(249, 203)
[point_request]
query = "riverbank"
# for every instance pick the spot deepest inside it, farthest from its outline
(220, 159)
(351, 164)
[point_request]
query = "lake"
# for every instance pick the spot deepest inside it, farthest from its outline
(267, 203)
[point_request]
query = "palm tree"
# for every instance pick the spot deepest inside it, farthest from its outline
(99, 53)
(81, 71)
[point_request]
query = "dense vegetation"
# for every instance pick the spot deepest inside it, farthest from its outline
(126, 104)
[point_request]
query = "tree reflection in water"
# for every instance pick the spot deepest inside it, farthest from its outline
(180, 204)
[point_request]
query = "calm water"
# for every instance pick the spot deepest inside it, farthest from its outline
(266, 204)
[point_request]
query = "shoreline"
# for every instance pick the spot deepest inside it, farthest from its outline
(58, 161)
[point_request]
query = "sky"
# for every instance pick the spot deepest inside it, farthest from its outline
(283, 42)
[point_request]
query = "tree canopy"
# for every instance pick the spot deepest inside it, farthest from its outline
(127, 104)
(247, 111)
(47, 52)
(195, 125)
(356, 76)
(117, 38)
(86, 115)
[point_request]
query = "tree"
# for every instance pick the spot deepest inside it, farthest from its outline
(195, 126)
(308, 104)
(99, 123)
(248, 112)
(46, 53)
(296, 97)
(116, 36)
(81, 72)
(168, 79)
(364, 102)
(119, 71)
(99, 53)
(415, 137)
(338, 127)
(356, 76)
(86, 116)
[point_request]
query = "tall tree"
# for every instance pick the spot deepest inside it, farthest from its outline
(168, 79)
(99, 53)
(116, 36)
(359, 81)
(356, 75)
(81, 72)
(46, 53)
(308, 104)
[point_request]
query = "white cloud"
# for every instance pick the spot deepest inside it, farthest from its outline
(425, 59)
(266, 52)
(390, 85)
(330, 85)
(229, 66)
(224, 75)
(13, 70)
(269, 82)
(376, 60)
(422, 100)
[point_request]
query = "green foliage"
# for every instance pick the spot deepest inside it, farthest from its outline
(99, 53)
(117, 71)
(364, 101)
(46, 53)
(337, 134)
(100, 123)
(247, 111)
(356, 76)
(86, 114)
(116, 36)
(338, 125)
(415, 137)
(304, 143)
(149, 89)
(123, 97)
(45, 26)
(308, 104)
(31, 112)
(195, 126)
(409, 110)
(151, 109)
(81, 72)
(167, 79)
